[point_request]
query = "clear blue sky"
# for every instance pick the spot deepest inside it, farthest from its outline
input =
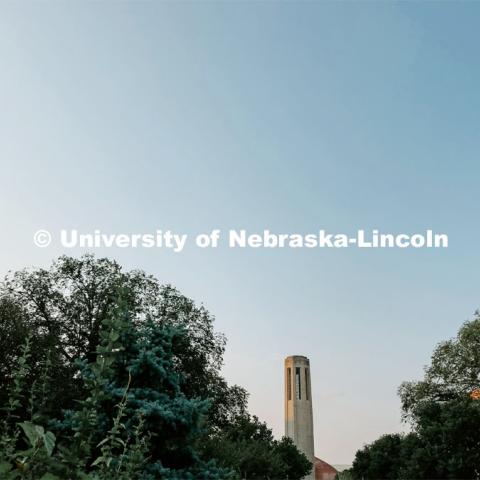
(290, 116)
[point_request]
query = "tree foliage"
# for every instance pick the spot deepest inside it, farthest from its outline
(248, 447)
(454, 371)
(64, 307)
(119, 378)
(134, 422)
(379, 460)
(444, 445)
(444, 415)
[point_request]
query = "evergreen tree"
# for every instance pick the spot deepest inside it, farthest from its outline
(135, 380)
(64, 307)
(134, 423)
(120, 380)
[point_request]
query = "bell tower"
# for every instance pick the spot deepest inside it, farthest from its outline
(298, 406)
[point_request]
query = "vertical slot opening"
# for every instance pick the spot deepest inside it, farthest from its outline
(306, 384)
(298, 385)
(289, 383)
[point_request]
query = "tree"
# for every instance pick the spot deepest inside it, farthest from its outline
(133, 384)
(64, 308)
(444, 445)
(445, 419)
(454, 371)
(379, 460)
(134, 422)
(447, 441)
(296, 464)
(247, 446)
(14, 325)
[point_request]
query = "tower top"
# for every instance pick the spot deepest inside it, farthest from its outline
(297, 358)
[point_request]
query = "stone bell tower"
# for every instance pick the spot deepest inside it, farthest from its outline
(298, 406)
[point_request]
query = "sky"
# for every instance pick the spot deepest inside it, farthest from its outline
(136, 116)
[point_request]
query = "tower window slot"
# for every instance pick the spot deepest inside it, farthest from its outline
(306, 383)
(298, 386)
(289, 383)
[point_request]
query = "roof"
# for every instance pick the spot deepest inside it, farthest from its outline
(324, 471)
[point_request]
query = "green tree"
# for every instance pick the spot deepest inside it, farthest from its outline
(247, 446)
(454, 371)
(445, 419)
(124, 382)
(64, 307)
(444, 445)
(446, 442)
(14, 325)
(295, 464)
(134, 422)
(379, 460)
